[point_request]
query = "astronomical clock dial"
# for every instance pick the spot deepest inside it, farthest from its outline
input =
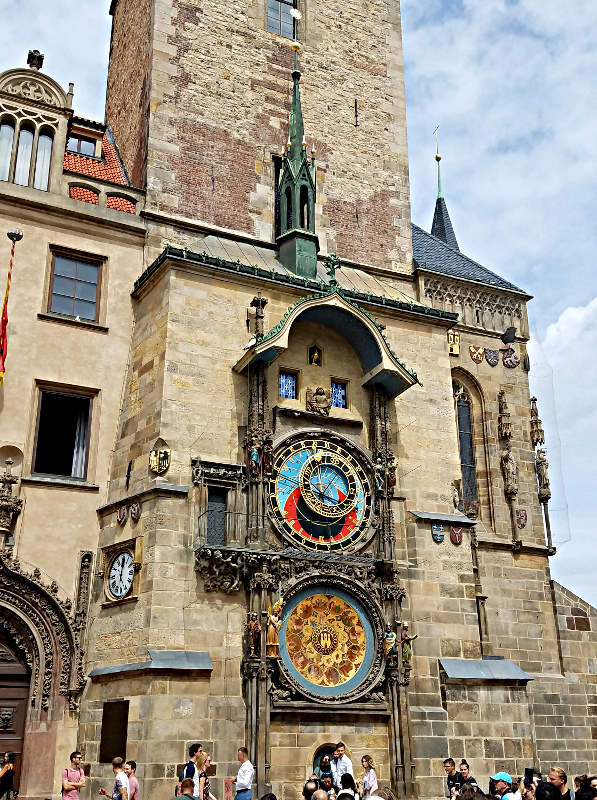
(120, 574)
(320, 495)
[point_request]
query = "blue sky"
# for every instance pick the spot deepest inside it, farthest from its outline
(512, 85)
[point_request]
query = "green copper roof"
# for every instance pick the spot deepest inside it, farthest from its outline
(296, 128)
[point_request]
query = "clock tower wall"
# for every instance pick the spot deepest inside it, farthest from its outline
(210, 101)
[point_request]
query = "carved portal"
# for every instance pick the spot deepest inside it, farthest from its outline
(32, 612)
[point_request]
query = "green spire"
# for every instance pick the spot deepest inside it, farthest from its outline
(296, 128)
(438, 158)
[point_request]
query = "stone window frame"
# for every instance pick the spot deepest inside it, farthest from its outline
(475, 395)
(39, 128)
(281, 4)
(229, 477)
(70, 391)
(77, 256)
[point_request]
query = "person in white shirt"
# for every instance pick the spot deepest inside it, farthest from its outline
(341, 764)
(244, 779)
(122, 788)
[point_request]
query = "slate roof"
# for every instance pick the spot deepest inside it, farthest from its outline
(442, 224)
(109, 168)
(431, 254)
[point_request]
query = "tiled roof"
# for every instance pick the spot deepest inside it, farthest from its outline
(108, 168)
(120, 204)
(432, 254)
(85, 195)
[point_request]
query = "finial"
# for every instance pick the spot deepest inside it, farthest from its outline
(35, 59)
(304, 142)
(438, 158)
(333, 263)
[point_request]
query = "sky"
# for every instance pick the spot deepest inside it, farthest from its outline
(511, 84)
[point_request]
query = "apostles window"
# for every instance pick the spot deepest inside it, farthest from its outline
(75, 287)
(287, 384)
(464, 422)
(7, 133)
(280, 19)
(115, 720)
(62, 438)
(24, 150)
(79, 144)
(339, 399)
(216, 516)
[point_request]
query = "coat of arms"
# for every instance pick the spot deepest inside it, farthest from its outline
(471, 508)
(456, 535)
(492, 357)
(159, 460)
(121, 515)
(476, 353)
(437, 532)
(510, 358)
(136, 511)
(521, 517)
(453, 342)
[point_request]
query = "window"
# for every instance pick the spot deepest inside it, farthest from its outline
(115, 720)
(288, 196)
(288, 385)
(24, 150)
(75, 287)
(79, 144)
(339, 394)
(62, 434)
(466, 444)
(7, 133)
(304, 199)
(42, 162)
(279, 18)
(216, 516)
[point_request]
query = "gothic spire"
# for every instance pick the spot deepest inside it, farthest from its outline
(296, 129)
(442, 224)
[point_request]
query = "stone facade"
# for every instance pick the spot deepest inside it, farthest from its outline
(197, 320)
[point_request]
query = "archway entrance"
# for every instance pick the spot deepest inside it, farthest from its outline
(15, 686)
(325, 750)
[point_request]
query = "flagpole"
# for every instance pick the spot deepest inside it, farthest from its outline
(15, 235)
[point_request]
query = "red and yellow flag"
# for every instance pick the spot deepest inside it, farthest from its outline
(15, 236)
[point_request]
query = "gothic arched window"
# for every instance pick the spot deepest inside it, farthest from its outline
(464, 421)
(7, 132)
(42, 161)
(24, 150)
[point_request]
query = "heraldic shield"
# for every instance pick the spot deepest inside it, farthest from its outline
(476, 353)
(456, 535)
(521, 517)
(437, 532)
(492, 357)
(159, 460)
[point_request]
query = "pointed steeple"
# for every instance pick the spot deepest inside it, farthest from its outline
(298, 245)
(442, 224)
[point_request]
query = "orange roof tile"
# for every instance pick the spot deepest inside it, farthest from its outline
(120, 204)
(86, 195)
(108, 169)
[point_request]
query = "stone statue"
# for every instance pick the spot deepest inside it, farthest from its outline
(254, 632)
(254, 458)
(455, 494)
(274, 623)
(380, 474)
(319, 401)
(268, 457)
(541, 466)
(389, 644)
(405, 639)
(391, 474)
(510, 473)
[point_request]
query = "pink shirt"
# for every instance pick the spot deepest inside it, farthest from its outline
(74, 776)
(134, 788)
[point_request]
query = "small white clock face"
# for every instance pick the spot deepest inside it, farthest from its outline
(120, 576)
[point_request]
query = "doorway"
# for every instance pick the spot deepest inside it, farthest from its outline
(15, 686)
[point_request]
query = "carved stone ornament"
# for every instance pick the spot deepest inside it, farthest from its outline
(537, 433)
(504, 423)
(541, 466)
(44, 628)
(213, 472)
(450, 294)
(319, 401)
(33, 86)
(7, 719)
(10, 506)
(509, 472)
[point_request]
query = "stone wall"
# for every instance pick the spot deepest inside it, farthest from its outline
(220, 98)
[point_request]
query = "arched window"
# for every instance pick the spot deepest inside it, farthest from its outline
(42, 161)
(24, 149)
(288, 208)
(464, 421)
(7, 132)
(304, 198)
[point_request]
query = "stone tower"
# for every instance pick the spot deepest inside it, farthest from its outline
(198, 98)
